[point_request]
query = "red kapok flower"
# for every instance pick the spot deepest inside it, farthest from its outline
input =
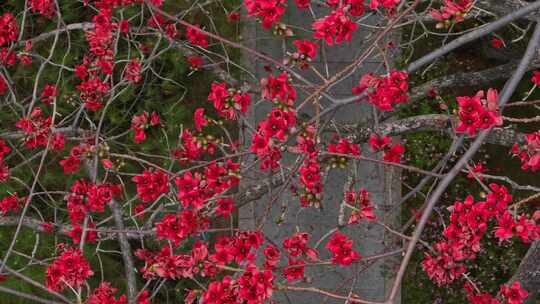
(70, 268)
(341, 248)
(514, 294)
(334, 28)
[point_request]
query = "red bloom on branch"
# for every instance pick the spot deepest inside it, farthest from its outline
(49, 93)
(354, 7)
(139, 123)
(228, 101)
(36, 129)
(9, 30)
(529, 154)
(297, 246)
(195, 62)
(3, 85)
(394, 154)
(10, 203)
(452, 11)
(445, 267)
(378, 143)
(334, 28)
(104, 294)
(233, 17)
(387, 4)
(196, 36)
(268, 10)
(255, 286)
(302, 4)
(306, 52)
(92, 92)
(295, 270)
(278, 89)
(341, 248)
(497, 43)
(4, 172)
(133, 71)
(177, 227)
(344, 147)
(513, 294)
(69, 269)
(384, 92)
(4, 149)
(45, 7)
(477, 112)
(361, 204)
(151, 184)
(199, 119)
(536, 78)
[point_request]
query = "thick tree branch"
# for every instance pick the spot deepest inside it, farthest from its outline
(429, 122)
(528, 272)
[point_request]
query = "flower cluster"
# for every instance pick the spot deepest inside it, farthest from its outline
(269, 11)
(49, 93)
(228, 100)
(512, 294)
(278, 89)
(193, 146)
(310, 178)
(133, 71)
(296, 246)
(469, 222)
(159, 22)
(274, 128)
(93, 91)
(9, 30)
(302, 4)
(361, 204)
(72, 162)
(177, 227)
(339, 151)
(392, 153)
(37, 130)
(477, 112)
(4, 169)
(354, 7)
(69, 269)
(306, 51)
(45, 7)
(10, 203)
(536, 78)
(195, 62)
(196, 36)
(334, 28)
(3, 85)
(151, 184)
(195, 190)
(85, 197)
(387, 4)
(139, 123)
(104, 294)
(166, 264)
(451, 11)
(239, 248)
(253, 286)
(384, 92)
(341, 248)
(529, 153)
